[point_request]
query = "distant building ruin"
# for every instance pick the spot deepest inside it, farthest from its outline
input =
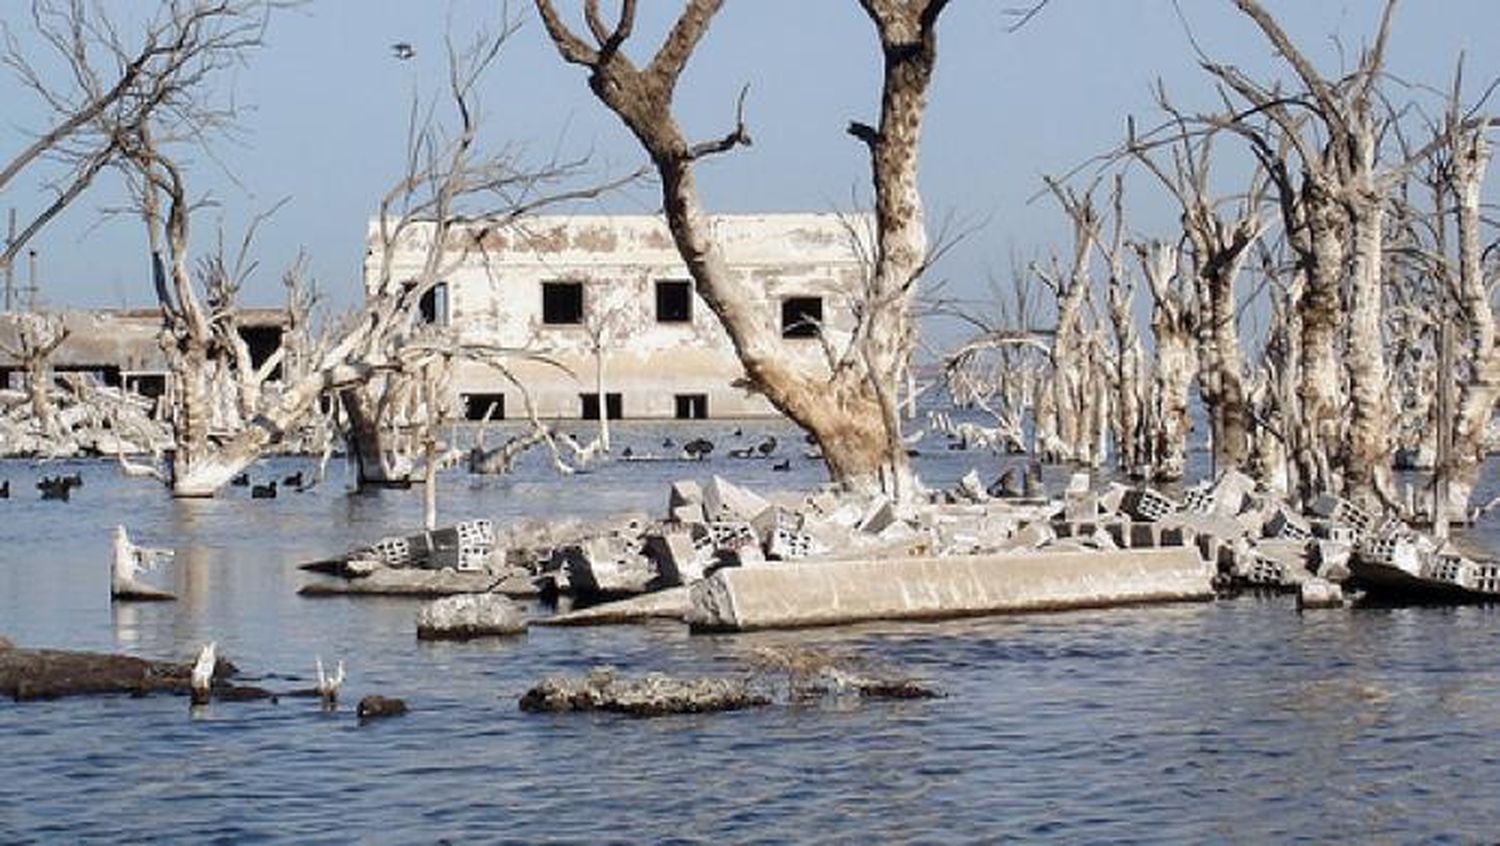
(121, 348)
(552, 285)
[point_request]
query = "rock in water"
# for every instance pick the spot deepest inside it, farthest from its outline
(470, 615)
(651, 696)
(374, 706)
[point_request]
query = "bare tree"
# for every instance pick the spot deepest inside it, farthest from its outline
(37, 337)
(115, 82)
(853, 410)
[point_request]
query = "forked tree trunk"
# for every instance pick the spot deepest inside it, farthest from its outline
(852, 412)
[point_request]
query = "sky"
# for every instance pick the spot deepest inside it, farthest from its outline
(324, 104)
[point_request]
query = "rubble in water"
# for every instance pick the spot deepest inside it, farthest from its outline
(772, 676)
(471, 615)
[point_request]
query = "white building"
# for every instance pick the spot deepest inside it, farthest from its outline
(551, 285)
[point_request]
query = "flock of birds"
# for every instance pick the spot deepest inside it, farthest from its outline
(267, 490)
(701, 448)
(61, 486)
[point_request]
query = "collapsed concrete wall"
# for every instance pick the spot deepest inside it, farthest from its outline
(831, 592)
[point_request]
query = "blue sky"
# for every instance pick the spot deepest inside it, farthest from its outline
(325, 104)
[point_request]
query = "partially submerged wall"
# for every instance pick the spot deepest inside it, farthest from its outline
(785, 595)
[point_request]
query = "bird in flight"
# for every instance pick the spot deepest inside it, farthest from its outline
(402, 50)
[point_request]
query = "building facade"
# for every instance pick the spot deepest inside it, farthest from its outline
(586, 290)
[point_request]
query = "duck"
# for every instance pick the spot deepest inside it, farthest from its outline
(767, 446)
(698, 448)
(294, 480)
(54, 487)
(782, 466)
(241, 481)
(266, 491)
(5, 489)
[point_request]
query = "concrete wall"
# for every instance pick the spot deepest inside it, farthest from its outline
(494, 294)
(783, 595)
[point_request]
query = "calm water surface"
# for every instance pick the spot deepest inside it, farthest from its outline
(1231, 721)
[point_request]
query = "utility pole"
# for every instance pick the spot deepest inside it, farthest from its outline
(10, 270)
(34, 286)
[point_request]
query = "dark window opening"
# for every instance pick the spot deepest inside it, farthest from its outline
(692, 406)
(483, 406)
(434, 305)
(612, 406)
(801, 317)
(674, 301)
(562, 303)
(149, 385)
(263, 342)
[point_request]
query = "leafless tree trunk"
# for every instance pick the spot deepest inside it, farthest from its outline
(1469, 155)
(1172, 327)
(853, 410)
(37, 337)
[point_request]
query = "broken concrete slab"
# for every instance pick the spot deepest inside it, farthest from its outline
(609, 565)
(723, 500)
(388, 582)
(669, 604)
(683, 555)
(832, 593)
(468, 616)
(1319, 593)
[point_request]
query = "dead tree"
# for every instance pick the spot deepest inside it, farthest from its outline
(113, 82)
(1067, 411)
(1467, 287)
(37, 337)
(1172, 327)
(853, 410)
(1335, 220)
(1217, 251)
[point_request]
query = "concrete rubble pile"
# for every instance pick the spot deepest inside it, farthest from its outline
(727, 558)
(86, 420)
(458, 559)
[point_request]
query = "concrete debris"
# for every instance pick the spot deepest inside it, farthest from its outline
(669, 604)
(1320, 593)
(827, 592)
(470, 615)
(651, 696)
(725, 501)
(714, 538)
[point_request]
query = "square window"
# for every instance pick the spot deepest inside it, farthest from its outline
(613, 406)
(674, 301)
(692, 406)
(562, 303)
(434, 305)
(801, 317)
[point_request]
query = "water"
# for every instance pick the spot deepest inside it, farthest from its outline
(1227, 721)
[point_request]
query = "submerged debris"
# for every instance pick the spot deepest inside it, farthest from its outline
(787, 676)
(651, 696)
(375, 706)
(468, 616)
